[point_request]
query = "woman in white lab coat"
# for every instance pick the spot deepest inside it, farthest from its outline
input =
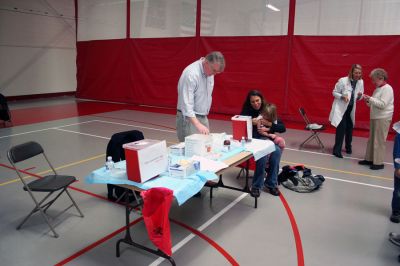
(347, 90)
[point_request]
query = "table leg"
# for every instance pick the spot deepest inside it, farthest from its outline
(128, 238)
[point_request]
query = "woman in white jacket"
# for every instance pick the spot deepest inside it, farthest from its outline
(342, 115)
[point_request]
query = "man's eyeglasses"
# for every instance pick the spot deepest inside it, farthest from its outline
(214, 68)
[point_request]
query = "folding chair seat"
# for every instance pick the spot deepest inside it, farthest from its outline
(54, 183)
(314, 129)
(115, 150)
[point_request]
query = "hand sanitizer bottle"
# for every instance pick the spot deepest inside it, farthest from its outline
(109, 164)
(243, 142)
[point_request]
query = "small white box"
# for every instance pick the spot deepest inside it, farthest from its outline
(177, 149)
(145, 159)
(182, 170)
(197, 144)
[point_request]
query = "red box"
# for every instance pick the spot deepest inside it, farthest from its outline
(145, 159)
(242, 127)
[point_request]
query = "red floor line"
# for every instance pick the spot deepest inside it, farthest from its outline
(95, 244)
(131, 120)
(30, 168)
(296, 233)
(209, 240)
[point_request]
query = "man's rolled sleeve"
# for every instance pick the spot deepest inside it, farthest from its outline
(188, 89)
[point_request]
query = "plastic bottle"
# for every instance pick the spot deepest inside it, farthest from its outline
(243, 142)
(109, 164)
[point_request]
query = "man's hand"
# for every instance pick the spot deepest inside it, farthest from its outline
(202, 129)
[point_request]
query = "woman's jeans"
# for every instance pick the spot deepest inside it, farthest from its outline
(273, 161)
(396, 191)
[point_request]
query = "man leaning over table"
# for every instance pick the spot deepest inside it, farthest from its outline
(195, 88)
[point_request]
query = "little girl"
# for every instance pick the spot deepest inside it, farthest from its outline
(269, 113)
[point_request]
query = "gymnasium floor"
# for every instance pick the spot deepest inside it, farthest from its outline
(344, 223)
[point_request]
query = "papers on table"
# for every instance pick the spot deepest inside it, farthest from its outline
(260, 147)
(209, 165)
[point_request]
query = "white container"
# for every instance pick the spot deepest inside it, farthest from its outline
(177, 149)
(197, 144)
(145, 159)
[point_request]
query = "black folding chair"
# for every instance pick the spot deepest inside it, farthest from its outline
(4, 110)
(115, 150)
(48, 184)
(315, 129)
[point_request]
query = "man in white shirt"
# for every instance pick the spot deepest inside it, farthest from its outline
(195, 88)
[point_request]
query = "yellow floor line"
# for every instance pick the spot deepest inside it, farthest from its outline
(340, 171)
(57, 168)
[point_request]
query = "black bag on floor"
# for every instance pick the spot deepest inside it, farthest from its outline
(299, 178)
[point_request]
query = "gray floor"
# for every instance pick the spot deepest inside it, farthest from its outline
(345, 223)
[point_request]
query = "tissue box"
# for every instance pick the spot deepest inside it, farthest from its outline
(242, 127)
(197, 144)
(145, 159)
(177, 149)
(183, 169)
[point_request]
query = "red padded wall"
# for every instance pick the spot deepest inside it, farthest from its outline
(146, 71)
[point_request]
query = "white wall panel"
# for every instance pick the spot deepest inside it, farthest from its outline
(163, 18)
(37, 47)
(243, 18)
(101, 19)
(347, 17)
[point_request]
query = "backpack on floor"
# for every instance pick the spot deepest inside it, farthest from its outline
(299, 178)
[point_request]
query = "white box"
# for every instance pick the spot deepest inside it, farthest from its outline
(197, 144)
(182, 170)
(177, 149)
(145, 159)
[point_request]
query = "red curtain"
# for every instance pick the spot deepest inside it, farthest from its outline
(146, 71)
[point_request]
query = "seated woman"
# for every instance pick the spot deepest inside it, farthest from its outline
(253, 106)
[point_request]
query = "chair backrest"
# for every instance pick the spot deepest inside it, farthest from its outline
(4, 111)
(114, 146)
(303, 114)
(24, 151)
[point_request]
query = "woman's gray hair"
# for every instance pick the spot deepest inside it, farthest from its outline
(379, 73)
(217, 57)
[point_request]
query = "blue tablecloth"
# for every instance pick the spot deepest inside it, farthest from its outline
(183, 188)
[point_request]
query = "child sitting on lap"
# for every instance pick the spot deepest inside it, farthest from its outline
(268, 113)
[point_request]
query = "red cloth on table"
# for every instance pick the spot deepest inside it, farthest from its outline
(157, 202)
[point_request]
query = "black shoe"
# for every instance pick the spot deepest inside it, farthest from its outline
(255, 192)
(365, 162)
(394, 238)
(376, 167)
(273, 191)
(395, 217)
(349, 151)
(337, 155)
